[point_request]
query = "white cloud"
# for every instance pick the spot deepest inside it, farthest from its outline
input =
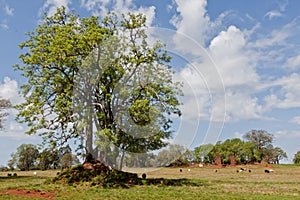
(4, 25)
(295, 120)
(239, 135)
(293, 62)
(50, 6)
(276, 37)
(287, 134)
(272, 14)
(8, 10)
(242, 106)
(169, 7)
(15, 131)
(282, 5)
(277, 13)
(231, 59)
(102, 7)
(192, 20)
(9, 90)
(288, 96)
(229, 52)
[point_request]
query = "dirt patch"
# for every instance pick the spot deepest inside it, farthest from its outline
(32, 193)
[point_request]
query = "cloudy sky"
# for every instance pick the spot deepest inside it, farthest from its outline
(239, 61)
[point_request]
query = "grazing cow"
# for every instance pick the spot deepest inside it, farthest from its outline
(144, 176)
(241, 170)
(180, 170)
(269, 170)
(9, 174)
(15, 174)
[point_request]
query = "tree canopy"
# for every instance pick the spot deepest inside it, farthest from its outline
(91, 78)
(25, 157)
(258, 147)
(262, 141)
(296, 158)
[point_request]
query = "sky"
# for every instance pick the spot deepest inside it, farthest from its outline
(239, 62)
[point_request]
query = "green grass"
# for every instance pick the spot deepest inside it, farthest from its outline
(198, 183)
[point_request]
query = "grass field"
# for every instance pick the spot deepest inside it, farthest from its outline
(196, 183)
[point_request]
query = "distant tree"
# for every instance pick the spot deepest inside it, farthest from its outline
(279, 154)
(210, 158)
(247, 153)
(274, 155)
(262, 140)
(296, 158)
(25, 157)
(201, 152)
(139, 160)
(48, 159)
(4, 104)
(12, 162)
(231, 147)
(175, 155)
(68, 160)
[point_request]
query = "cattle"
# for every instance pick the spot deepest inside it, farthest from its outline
(269, 170)
(242, 170)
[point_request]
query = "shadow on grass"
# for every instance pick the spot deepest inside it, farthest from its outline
(11, 178)
(171, 182)
(100, 175)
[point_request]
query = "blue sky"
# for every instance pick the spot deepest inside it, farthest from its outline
(239, 60)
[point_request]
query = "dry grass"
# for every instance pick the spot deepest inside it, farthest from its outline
(198, 183)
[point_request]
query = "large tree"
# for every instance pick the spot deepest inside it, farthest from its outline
(262, 141)
(87, 76)
(25, 157)
(274, 155)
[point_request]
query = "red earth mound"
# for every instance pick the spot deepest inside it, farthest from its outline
(32, 193)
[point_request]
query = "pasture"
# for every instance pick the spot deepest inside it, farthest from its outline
(196, 183)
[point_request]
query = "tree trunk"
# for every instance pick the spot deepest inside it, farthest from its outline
(89, 127)
(121, 161)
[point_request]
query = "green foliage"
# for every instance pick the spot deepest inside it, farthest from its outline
(258, 147)
(100, 176)
(46, 159)
(67, 160)
(123, 78)
(201, 152)
(25, 157)
(262, 140)
(296, 158)
(175, 155)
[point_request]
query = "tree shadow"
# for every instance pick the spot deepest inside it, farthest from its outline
(171, 182)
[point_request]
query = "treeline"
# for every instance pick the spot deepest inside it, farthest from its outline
(28, 157)
(256, 147)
